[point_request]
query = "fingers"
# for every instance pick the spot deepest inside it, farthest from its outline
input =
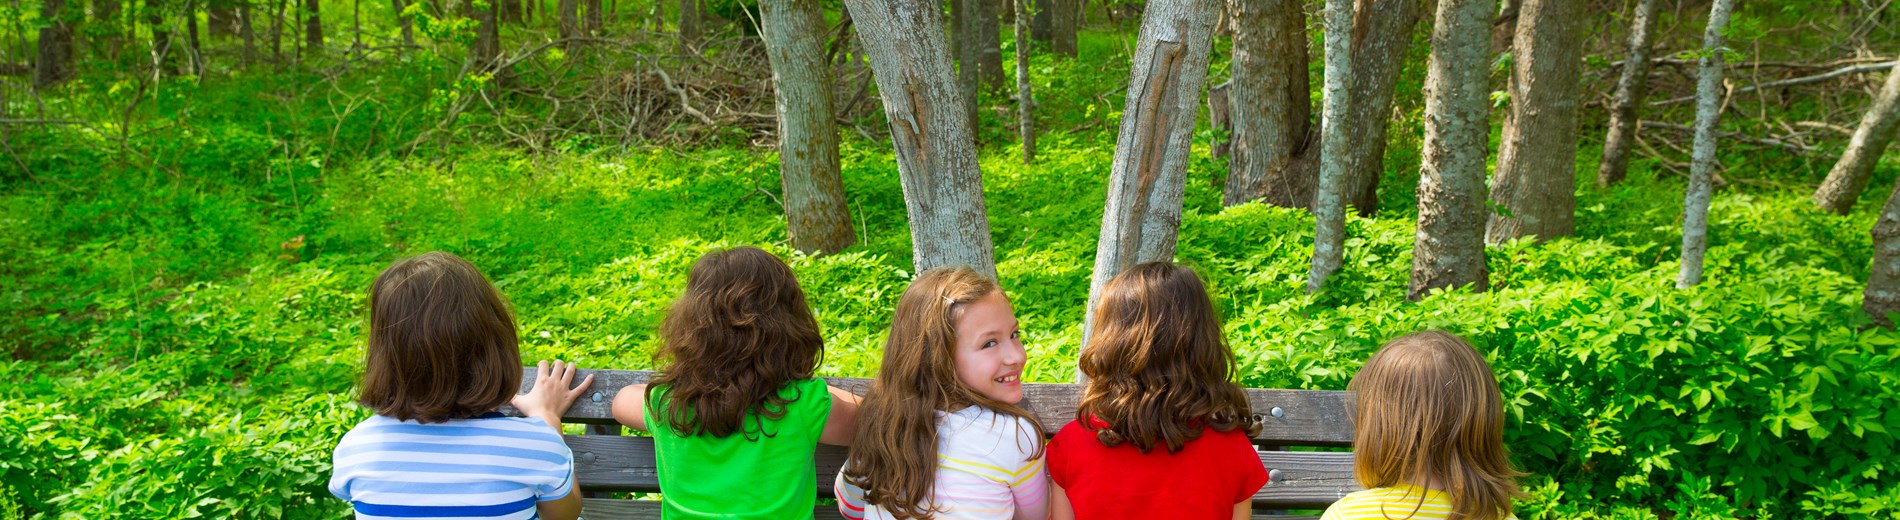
(577, 391)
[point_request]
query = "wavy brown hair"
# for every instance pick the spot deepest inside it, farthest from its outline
(1157, 364)
(894, 457)
(442, 344)
(1427, 412)
(735, 338)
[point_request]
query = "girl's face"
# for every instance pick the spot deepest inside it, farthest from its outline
(989, 355)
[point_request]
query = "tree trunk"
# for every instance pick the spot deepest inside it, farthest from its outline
(1449, 248)
(1382, 35)
(164, 59)
(1025, 101)
(194, 49)
(222, 17)
(1849, 177)
(570, 20)
(277, 31)
(989, 43)
(1329, 210)
(406, 22)
(112, 38)
(816, 217)
(486, 48)
(1883, 278)
(55, 61)
(1040, 29)
(968, 46)
(313, 25)
(594, 18)
(1064, 20)
(1270, 106)
(1708, 111)
(689, 25)
(509, 11)
(936, 153)
(1149, 173)
(246, 32)
(1537, 161)
(1629, 93)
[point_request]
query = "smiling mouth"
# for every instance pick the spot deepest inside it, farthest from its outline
(1007, 379)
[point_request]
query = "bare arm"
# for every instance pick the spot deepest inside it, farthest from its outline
(630, 406)
(842, 423)
(564, 508)
(1059, 507)
(1243, 510)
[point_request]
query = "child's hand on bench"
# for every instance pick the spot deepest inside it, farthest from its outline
(550, 396)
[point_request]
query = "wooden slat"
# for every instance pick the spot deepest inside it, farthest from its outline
(603, 509)
(1307, 418)
(1304, 480)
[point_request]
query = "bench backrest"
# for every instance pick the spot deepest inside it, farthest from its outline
(606, 461)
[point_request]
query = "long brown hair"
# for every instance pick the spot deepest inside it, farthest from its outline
(736, 337)
(442, 344)
(1157, 364)
(1427, 410)
(894, 457)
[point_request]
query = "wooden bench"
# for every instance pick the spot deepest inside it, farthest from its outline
(605, 461)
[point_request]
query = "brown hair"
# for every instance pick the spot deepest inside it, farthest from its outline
(442, 344)
(1427, 412)
(736, 337)
(894, 459)
(1158, 367)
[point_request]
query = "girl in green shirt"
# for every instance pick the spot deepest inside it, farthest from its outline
(737, 414)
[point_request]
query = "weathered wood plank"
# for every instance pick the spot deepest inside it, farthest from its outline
(603, 509)
(1305, 418)
(1302, 480)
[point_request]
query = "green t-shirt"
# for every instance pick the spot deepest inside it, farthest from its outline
(765, 475)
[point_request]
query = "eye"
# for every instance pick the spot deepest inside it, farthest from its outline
(1016, 334)
(990, 343)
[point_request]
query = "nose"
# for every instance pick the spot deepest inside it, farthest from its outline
(1015, 355)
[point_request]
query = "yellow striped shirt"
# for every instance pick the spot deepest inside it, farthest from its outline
(1397, 502)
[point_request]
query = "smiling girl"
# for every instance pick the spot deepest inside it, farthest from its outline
(940, 435)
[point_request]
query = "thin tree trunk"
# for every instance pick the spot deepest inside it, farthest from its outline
(222, 17)
(1041, 28)
(1882, 296)
(1708, 111)
(55, 61)
(277, 32)
(406, 22)
(1064, 20)
(1329, 210)
(570, 20)
(816, 217)
(112, 39)
(1149, 174)
(989, 43)
(486, 48)
(1537, 161)
(1382, 31)
(194, 50)
(163, 60)
(1629, 94)
(1449, 248)
(313, 25)
(936, 153)
(509, 11)
(246, 32)
(1025, 101)
(1850, 175)
(689, 25)
(594, 19)
(1270, 106)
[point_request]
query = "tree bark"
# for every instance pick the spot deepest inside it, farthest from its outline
(486, 49)
(1537, 161)
(594, 19)
(1040, 29)
(313, 25)
(55, 61)
(246, 13)
(570, 20)
(1629, 94)
(1448, 250)
(509, 11)
(194, 50)
(1270, 106)
(1382, 35)
(968, 46)
(936, 153)
(1149, 174)
(1329, 210)
(1025, 100)
(222, 17)
(406, 22)
(1064, 20)
(277, 31)
(816, 217)
(689, 25)
(989, 43)
(164, 58)
(1850, 175)
(112, 39)
(1708, 112)
(1883, 277)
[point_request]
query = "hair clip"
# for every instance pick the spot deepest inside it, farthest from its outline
(948, 301)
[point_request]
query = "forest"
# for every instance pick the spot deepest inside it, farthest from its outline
(1671, 226)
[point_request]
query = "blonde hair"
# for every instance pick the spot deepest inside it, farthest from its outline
(1159, 369)
(894, 456)
(1427, 411)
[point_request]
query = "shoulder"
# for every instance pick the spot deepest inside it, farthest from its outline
(988, 431)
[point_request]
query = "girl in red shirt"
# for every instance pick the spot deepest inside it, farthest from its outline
(1161, 431)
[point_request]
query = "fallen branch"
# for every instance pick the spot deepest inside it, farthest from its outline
(1798, 147)
(1844, 71)
(685, 104)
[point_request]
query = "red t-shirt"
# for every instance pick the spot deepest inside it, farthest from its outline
(1204, 480)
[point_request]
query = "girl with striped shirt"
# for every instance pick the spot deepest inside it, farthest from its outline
(939, 436)
(1428, 435)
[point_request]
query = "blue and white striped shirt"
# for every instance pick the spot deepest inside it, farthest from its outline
(490, 467)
